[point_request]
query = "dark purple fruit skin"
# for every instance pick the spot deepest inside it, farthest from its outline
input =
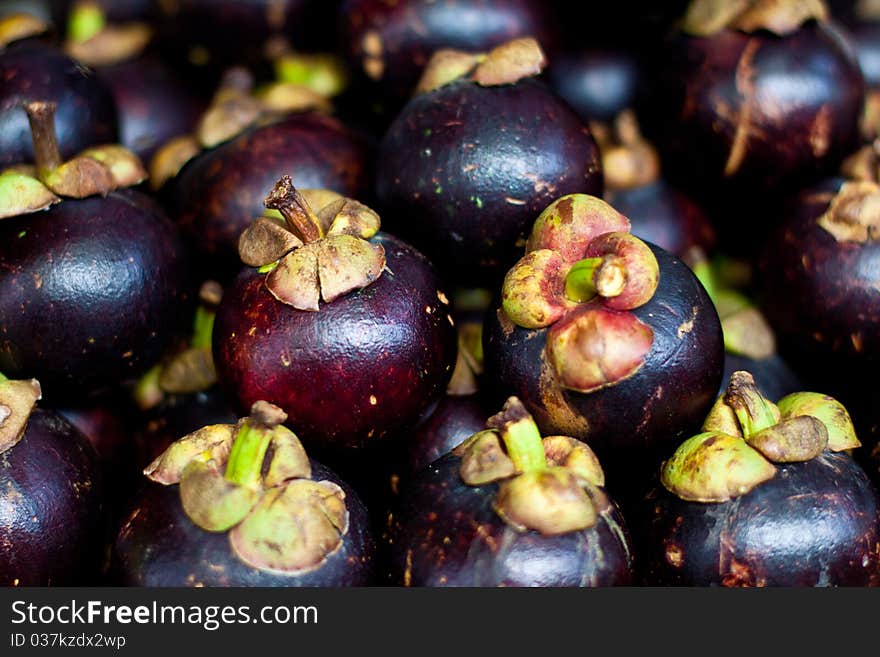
(410, 32)
(820, 295)
(815, 523)
(805, 120)
(32, 71)
(358, 371)
(153, 104)
(483, 550)
(91, 291)
(53, 520)
(217, 195)
(464, 170)
(158, 545)
(774, 377)
(455, 419)
(661, 214)
(666, 400)
(598, 84)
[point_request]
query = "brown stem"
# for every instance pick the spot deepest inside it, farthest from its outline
(41, 116)
(285, 198)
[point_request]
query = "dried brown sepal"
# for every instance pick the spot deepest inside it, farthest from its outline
(446, 66)
(533, 291)
(629, 167)
(576, 456)
(510, 62)
(210, 294)
(289, 459)
(484, 460)
(747, 333)
(347, 263)
(192, 370)
(637, 261)
(17, 401)
(265, 241)
(318, 199)
(284, 97)
(571, 222)
(467, 369)
(791, 441)
(854, 213)
(15, 27)
(346, 216)
(210, 500)
(125, 167)
(551, 501)
(227, 119)
(22, 194)
(595, 347)
(170, 158)
(113, 44)
(294, 528)
(863, 165)
(721, 418)
(212, 442)
(782, 17)
(714, 467)
(266, 414)
(295, 280)
(80, 177)
(829, 411)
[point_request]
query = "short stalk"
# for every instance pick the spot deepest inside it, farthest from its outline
(245, 463)
(604, 276)
(47, 155)
(203, 327)
(521, 437)
(302, 222)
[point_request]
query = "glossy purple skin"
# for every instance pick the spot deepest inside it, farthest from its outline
(660, 405)
(53, 521)
(34, 71)
(217, 195)
(352, 375)
(464, 170)
(91, 292)
(815, 523)
(663, 215)
(483, 550)
(455, 419)
(804, 120)
(159, 546)
(411, 30)
(597, 83)
(154, 105)
(821, 295)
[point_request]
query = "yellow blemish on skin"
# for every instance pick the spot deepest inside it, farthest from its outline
(428, 309)
(442, 298)
(373, 400)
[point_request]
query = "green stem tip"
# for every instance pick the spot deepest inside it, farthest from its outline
(521, 436)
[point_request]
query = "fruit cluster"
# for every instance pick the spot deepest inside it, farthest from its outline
(439, 293)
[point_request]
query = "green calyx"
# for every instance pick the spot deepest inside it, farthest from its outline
(745, 434)
(95, 171)
(17, 400)
(15, 27)
(782, 17)
(545, 485)
(254, 480)
(86, 20)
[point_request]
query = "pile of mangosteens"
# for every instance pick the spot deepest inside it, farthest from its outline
(439, 294)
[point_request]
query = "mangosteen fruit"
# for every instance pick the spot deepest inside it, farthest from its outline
(242, 144)
(346, 328)
(604, 337)
(53, 521)
(766, 495)
(91, 286)
(153, 104)
(659, 212)
(243, 505)
(510, 508)
(819, 275)
(33, 69)
(479, 150)
(755, 97)
(389, 44)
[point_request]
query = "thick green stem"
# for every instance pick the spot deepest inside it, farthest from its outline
(86, 20)
(203, 327)
(753, 411)
(147, 392)
(248, 452)
(605, 276)
(522, 439)
(47, 155)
